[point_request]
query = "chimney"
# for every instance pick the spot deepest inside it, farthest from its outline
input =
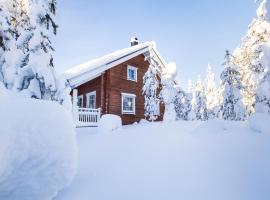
(134, 41)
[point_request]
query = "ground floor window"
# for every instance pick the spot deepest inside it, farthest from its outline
(80, 101)
(128, 103)
(91, 100)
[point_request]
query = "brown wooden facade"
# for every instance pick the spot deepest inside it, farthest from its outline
(110, 86)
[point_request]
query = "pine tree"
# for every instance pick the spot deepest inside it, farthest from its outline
(211, 94)
(246, 56)
(37, 79)
(150, 89)
(199, 102)
(263, 89)
(11, 55)
(191, 96)
(182, 104)
(168, 91)
(232, 107)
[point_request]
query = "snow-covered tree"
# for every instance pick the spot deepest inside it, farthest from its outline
(37, 79)
(150, 89)
(248, 54)
(182, 104)
(211, 94)
(191, 96)
(168, 91)
(199, 101)
(263, 89)
(232, 107)
(12, 25)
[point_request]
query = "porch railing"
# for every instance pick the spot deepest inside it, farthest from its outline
(87, 117)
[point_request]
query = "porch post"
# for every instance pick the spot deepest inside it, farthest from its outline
(75, 105)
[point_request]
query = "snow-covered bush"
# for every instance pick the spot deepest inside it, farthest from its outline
(259, 122)
(109, 123)
(37, 149)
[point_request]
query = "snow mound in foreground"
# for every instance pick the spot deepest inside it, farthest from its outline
(109, 123)
(260, 123)
(37, 149)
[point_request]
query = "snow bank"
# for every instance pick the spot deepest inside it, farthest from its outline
(37, 149)
(109, 123)
(260, 123)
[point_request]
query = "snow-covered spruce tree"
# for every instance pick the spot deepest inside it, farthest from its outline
(263, 89)
(12, 25)
(232, 107)
(168, 91)
(150, 89)
(191, 96)
(199, 102)
(182, 104)
(211, 94)
(37, 79)
(247, 55)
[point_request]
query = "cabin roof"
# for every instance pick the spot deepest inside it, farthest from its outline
(92, 69)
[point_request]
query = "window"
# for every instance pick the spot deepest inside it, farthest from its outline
(128, 103)
(91, 100)
(80, 101)
(131, 73)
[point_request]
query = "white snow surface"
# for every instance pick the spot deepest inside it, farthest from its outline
(171, 161)
(38, 152)
(259, 122)
(109, 123)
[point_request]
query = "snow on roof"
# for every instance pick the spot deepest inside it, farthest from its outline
(80, 74)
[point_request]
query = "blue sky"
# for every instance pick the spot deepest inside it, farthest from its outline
(190, 33)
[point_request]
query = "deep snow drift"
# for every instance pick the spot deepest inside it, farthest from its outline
(37, 149)
(215, 160)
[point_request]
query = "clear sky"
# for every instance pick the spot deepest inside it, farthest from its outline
(190, 33)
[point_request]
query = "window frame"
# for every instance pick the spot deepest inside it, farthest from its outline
(93, 93)
(135, 69)
(127, 112)
(80, 97)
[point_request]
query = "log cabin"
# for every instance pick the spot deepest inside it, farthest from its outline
(113, 83)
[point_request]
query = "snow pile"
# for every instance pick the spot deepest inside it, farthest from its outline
(260, 123)
(109, 123)
(37, 149)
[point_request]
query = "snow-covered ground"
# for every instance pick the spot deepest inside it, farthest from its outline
(215, 160)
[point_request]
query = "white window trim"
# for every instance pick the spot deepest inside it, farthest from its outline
(80, 97)
(133, 112)
(94, 93)
(136, 73)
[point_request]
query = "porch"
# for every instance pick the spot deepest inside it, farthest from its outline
(84, 117)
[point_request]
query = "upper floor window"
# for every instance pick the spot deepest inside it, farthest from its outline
(132, 73)
(91, 100)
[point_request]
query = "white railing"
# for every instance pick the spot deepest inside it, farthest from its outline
(87, 117)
